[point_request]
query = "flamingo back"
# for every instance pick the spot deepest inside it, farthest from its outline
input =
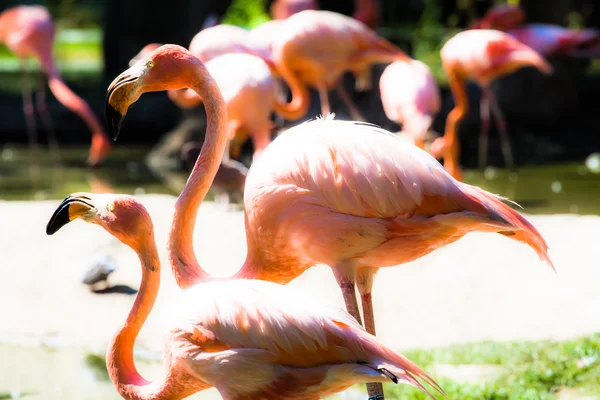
(410, 95)
(259, 332)
(27, 31)
(218, 40)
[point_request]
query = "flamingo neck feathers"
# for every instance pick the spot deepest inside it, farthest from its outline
(119, 357)
(298, 107)
(65, 95)
(461, 106)
(182, 258)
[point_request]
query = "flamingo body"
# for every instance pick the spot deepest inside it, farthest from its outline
(410, 96)
(364, 203)
(314, 48)
(218, 40)
(250, 91)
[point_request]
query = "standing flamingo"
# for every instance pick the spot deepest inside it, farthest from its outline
(249, 339)
(546, 39)
(340, 193)
(251, 93)
(28, 32)
(315, 48)
(482, 55)
(410, 97)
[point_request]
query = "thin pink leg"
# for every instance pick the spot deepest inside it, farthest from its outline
(364, 282)
(42, 108)
(484, 109)
(29, 112)
(501, 124)
(354, 113)
(324, 97)
(349, 293)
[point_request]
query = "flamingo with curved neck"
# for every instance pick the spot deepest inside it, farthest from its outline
(277, 343)
(28, 32)
(482, 55)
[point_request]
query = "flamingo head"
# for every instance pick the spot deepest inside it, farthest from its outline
(169, 67)
(121, 215)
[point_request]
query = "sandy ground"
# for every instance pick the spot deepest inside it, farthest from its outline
(484, 287)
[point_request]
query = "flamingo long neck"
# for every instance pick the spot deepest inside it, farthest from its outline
(119, 357)
(298, 107)
(461, 107)
(67, 97)
(186, 268)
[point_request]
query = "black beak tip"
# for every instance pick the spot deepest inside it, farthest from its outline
(59, 219)
(114, 119)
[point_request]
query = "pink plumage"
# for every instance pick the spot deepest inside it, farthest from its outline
(410, 97)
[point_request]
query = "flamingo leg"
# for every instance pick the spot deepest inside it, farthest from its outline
(484, 108)
(354, 113)
(29, 112)
(42, 107)
(364, 283)
(501, 124)
(324, 98)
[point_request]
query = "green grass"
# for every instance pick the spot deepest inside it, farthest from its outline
(533, 370)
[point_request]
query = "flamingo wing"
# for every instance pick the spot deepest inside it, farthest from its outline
(263, 331)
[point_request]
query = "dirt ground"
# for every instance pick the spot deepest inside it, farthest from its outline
(484, 287)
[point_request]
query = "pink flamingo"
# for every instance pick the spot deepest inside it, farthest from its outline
(28, 32)
(482, 55)
(315, 48)
(410, 97)
(251, 93)
(546, 39)
(218, 40)
(340, 193)
(250, 339)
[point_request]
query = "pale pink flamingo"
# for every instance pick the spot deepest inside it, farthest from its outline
(340, 193)
(315, 48)
(251, 93)
(546, 39)
(218, 40)
(410, 97)
(249, 339)
(482, 55)
(28, 32)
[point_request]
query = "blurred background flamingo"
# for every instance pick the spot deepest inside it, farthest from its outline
(481, 55)
(28, 32)
(410, 97)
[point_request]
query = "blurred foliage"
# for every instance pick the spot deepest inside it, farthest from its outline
(532, 370)
(246, 13)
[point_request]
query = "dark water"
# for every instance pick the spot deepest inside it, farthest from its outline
(549, 189)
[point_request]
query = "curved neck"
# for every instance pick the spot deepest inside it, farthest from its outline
(119, 357)
(461, 106)
(298, 107)
(186, 268)
(67, 97)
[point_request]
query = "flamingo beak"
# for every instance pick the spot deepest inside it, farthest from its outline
(118, 100)
(72, 207)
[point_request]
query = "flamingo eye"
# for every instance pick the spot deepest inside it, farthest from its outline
(150, 63)
(110, 207)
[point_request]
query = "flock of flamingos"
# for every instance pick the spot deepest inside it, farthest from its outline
(342, 193)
